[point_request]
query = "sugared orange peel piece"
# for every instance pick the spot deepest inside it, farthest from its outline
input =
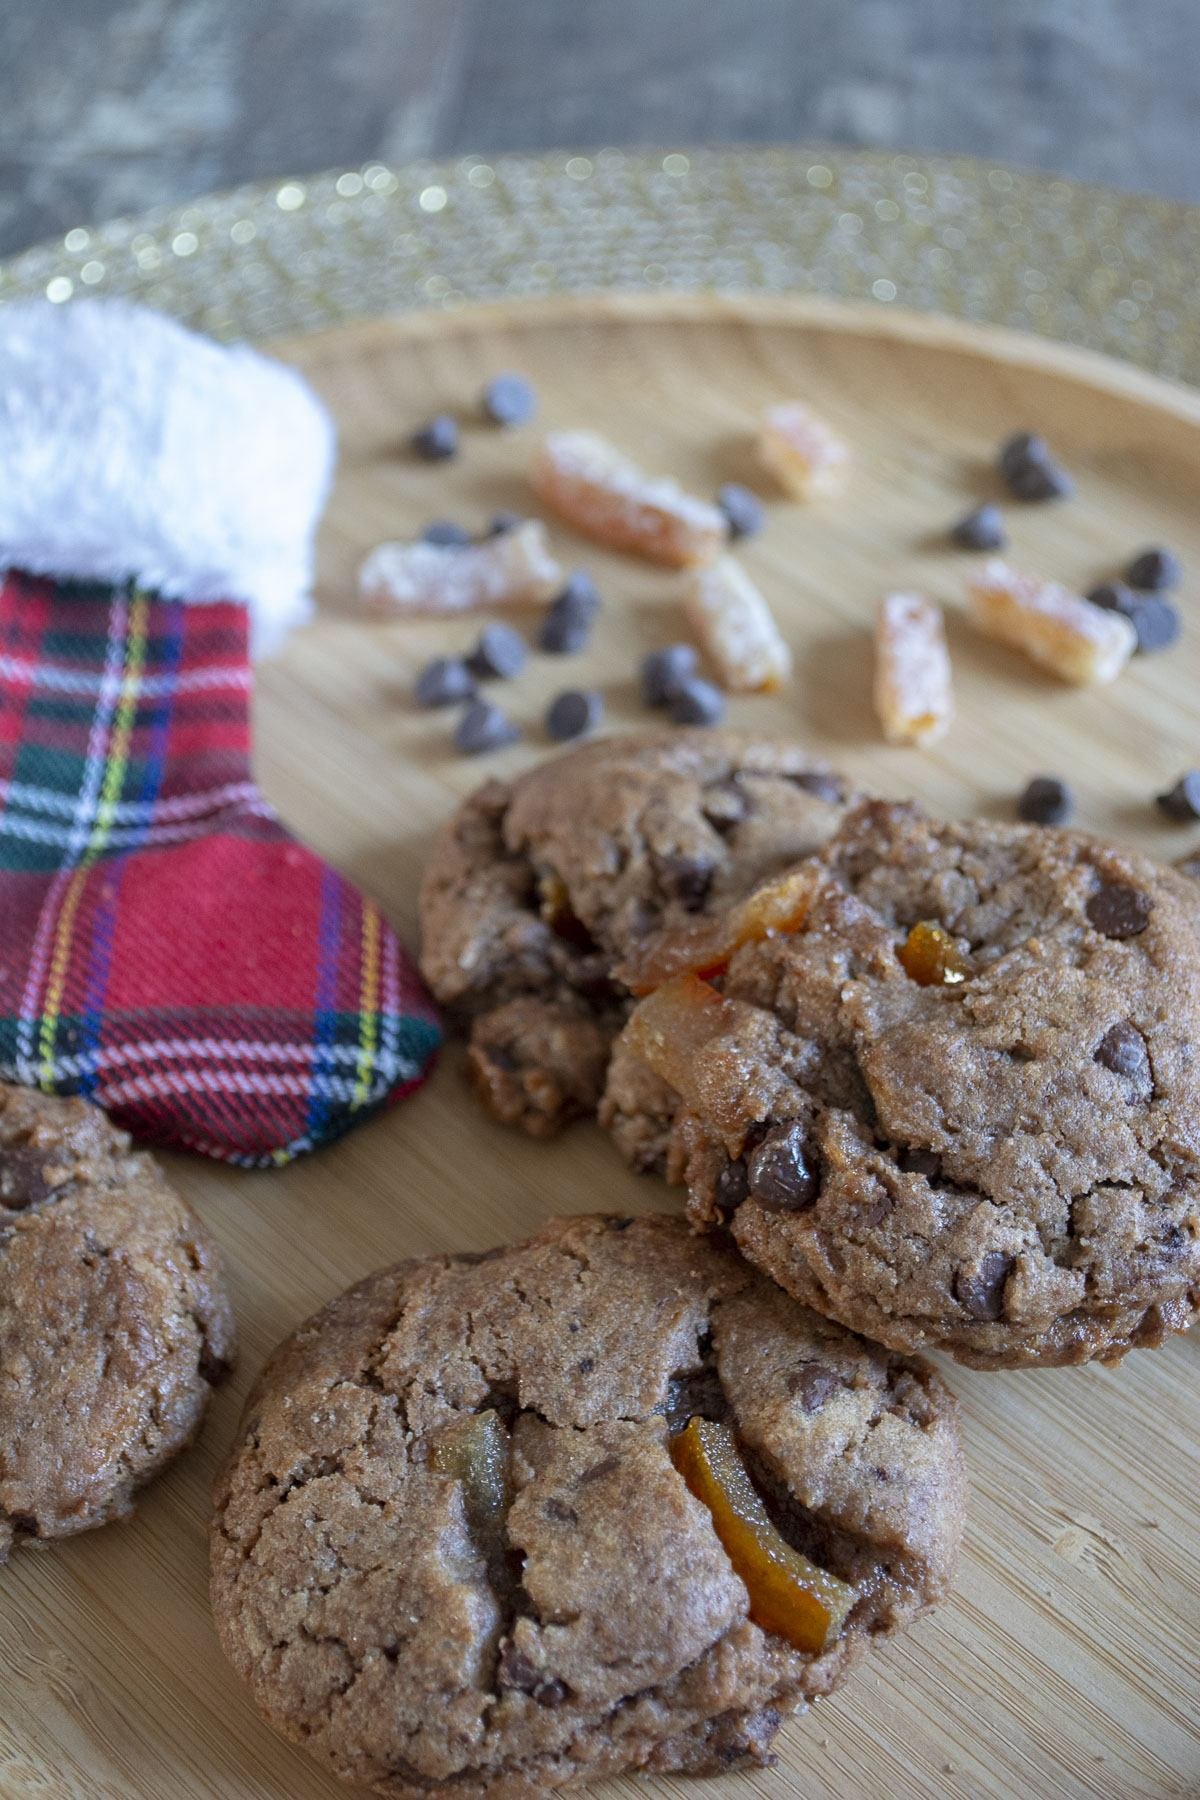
(777, 908)
(930, 957)
(475, 1451)
(674, 1025)
(788, 1594)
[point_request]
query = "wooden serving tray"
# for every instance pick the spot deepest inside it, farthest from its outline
(1066, 1663)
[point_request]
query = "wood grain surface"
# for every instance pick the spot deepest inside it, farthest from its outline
(1066, 1662)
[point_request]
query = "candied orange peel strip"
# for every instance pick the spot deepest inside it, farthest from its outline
(1056, 628)
(789, 1595)
(603, 494)
(913, 696)
(736, 628)
(805, 455)
(475, 1452)
(930, 957)
(773, 910)
(514, 568)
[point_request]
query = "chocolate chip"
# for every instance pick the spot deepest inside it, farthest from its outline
(514, 1670)
(820, 785)
(811, 1383)
(503, 521)
(1182, 802)
(1046, 801)
(779, 1174)
(1155, 569)
(559, 1510)
(744, 512)
(1119, 910)
(509, 400)
(697, 702)
(499, 651)
(23, 1178)
(982, 529)
(599, 1470)
(1020, 448)
(688, 878)
(1114, 596)
(1035, 480)
(447, 534)
(573, 713)
(438, 440)
(664, 671)
(443, 682)
(1157, 624)
(1123, 1050)
(981, 1293)
(484, 727)
(568, 621)
(733, 1184)
(585, 1365)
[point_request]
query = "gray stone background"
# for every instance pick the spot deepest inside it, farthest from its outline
(108, 106)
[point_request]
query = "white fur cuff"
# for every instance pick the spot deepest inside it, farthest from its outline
(133, 448)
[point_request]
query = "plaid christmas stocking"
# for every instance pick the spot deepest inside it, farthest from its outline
(166, 947)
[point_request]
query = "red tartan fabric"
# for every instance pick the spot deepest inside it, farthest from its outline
(166, 947)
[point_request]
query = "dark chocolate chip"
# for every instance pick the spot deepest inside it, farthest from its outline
(515, 1670)
(484, 727)
(599, 1470)
(573, 713)
(733, 1184)
(585, 1365)
(1114, 596)
(744, 511)
(980, 1292)
(1046, 801)
(438, 440)
(447, 534)
(509, 400)
(1157, 624)
(821, 785)
(1182, 802)
(1155, 569)
(1123, 1050)
(779, 1172)
(664, 671)
(982, 529)
(1119, 910)
(503, 521)
(559, 1510)
(500, 651)
(1020, 448)
(568, 621)
(689, 879)
(23, 1178)
(810, 1384)
(1037, 480)
(580, 593)
(697, 702)
(444, 682)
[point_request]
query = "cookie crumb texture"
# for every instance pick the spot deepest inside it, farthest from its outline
(1005, 1164)
(538, 887)
(114, 1323)
(417, 1639)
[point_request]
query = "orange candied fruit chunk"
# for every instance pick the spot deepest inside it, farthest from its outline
(930, 957)
(789, 1595)
(475, 1452)
(674, 1025)
(777, 908)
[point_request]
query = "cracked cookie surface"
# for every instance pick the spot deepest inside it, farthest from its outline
(114, 1322)
(588, 1621)
(1000, 1156)
(539, 887)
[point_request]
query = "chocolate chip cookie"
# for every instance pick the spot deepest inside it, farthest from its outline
(500, 1523)
(538, 886)
(959, 1104)
(114, 1324)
